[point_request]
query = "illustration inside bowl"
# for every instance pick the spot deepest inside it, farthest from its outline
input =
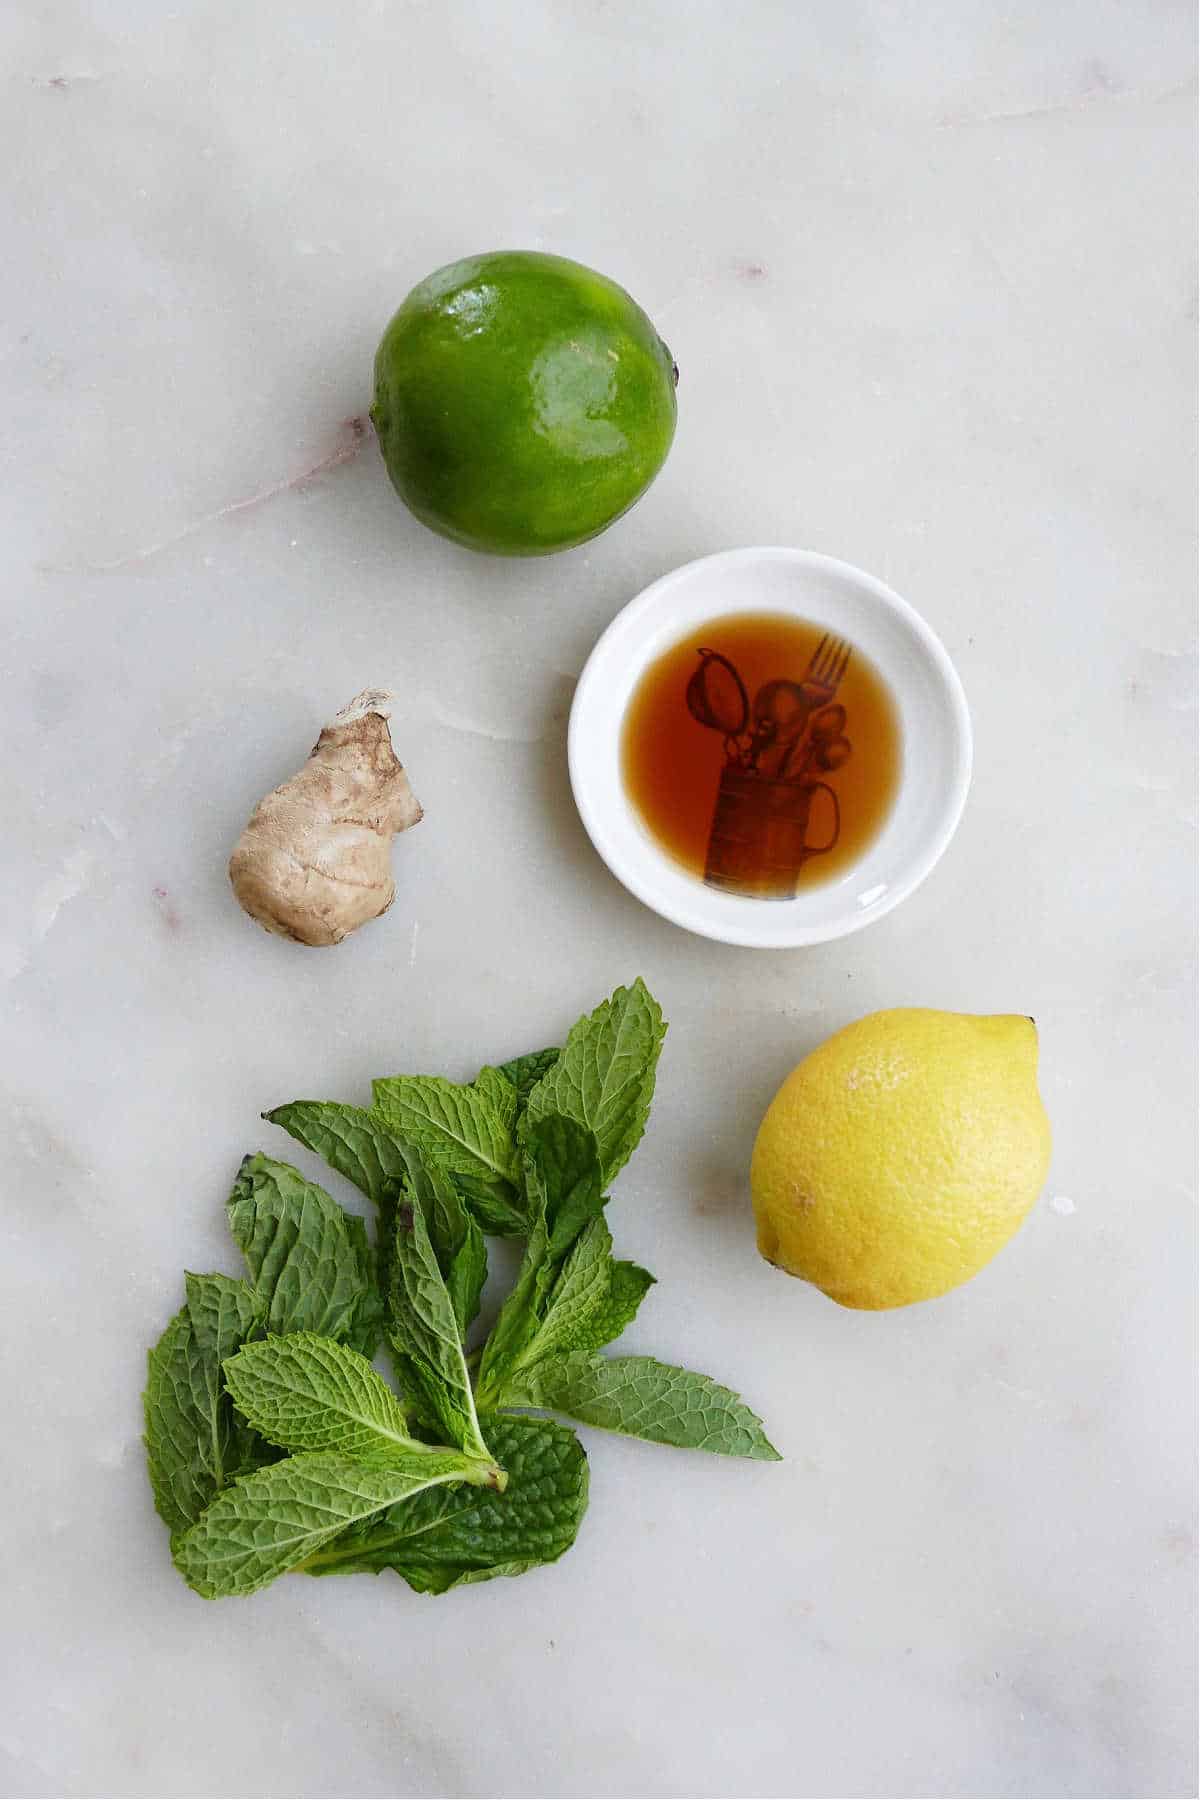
(769, 724)
(761, 753)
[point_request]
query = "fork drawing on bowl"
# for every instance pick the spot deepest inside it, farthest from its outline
(775, 738)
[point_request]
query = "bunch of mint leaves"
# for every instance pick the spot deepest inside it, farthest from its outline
(275, 1445)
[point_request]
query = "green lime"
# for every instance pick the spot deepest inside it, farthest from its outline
(522, 402)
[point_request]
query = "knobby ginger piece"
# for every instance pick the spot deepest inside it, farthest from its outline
(314, 862)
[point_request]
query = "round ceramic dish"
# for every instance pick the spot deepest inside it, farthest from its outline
(935, 733)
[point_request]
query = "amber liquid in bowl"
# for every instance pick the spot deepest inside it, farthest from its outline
(795, 795)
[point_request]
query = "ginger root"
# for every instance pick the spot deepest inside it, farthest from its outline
(314, 862)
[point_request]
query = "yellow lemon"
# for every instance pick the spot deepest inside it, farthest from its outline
(899, 1157)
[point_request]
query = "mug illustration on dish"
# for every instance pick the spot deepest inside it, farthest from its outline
(776, 754)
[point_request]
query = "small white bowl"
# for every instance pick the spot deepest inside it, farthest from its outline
(935, 731)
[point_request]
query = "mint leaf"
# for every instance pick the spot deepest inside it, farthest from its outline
(366, 1326)
(269, 1522)
(562, 1182)
(525, 1072)
(454, 1236)
(499, 1092)
(359, 1146)
(425, 1335)
(455, 1126)
(194, 1442)
(647, 1399)
(591, 1302)
(627, 1288)
(464, 1132)
(352, 1140)
(224, 1313)
(450, 1536)
(309, 1261)
(578, 1295)
(180, 1473)
(604, 1077)
(305, 1392)
(497, 1207)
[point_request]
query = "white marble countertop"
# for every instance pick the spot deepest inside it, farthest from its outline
(927, 272)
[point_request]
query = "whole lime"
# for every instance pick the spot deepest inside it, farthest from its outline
(522, 401)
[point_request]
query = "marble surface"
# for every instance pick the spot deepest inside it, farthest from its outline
(927, 271)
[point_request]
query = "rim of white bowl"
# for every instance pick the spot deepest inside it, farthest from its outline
(649, 873)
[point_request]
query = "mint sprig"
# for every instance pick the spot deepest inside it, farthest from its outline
(272, 1442)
